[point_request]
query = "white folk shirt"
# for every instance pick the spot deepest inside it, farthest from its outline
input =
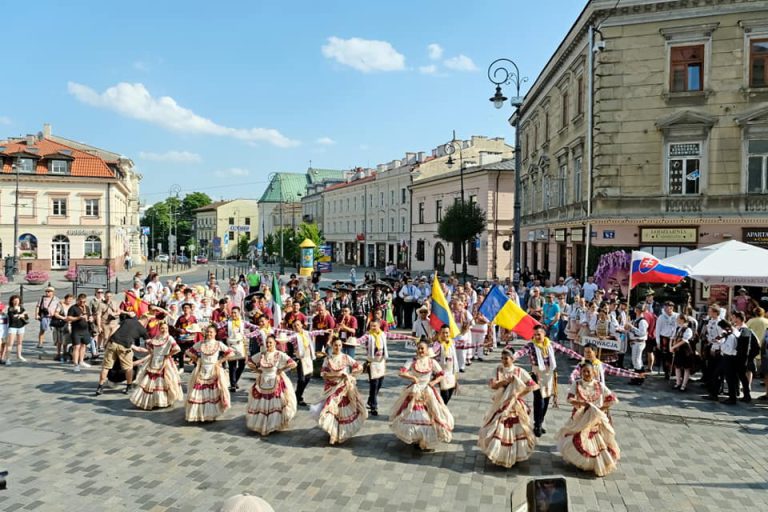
(639, 332)
(728, 345)
(410, 293)
(713, 332)
(666, 325)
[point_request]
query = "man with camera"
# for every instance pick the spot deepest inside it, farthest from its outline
(79, 319)
(48, 304)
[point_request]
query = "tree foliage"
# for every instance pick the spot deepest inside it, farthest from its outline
(243, 245)
(158, 218)
(461, 223)
(292, 238)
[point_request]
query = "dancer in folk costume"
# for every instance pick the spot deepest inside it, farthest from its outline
(588, 440)
(208, 392)
(158, 384)
(304, 347)
(341, 412)
(272, 400)
(377, 353)
(445, 351)
(599, 368)
(478, 331)
(506, 436)
(419, 416)
(463, 320)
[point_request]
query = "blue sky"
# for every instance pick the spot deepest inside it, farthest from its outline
(215, 96)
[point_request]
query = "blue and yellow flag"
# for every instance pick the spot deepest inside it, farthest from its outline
(504, 312)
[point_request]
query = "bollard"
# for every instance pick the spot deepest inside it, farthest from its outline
(117, 285)
(21, 294)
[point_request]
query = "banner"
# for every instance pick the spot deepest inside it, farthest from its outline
(605, 344)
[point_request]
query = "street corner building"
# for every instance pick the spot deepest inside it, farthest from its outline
(647, 130)
(76, 204)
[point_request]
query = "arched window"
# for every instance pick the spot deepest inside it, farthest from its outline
(93, 247)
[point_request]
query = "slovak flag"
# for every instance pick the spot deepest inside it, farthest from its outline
(646, 268)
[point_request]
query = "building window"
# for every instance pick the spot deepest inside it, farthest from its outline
(545, 192)
(92, 207)
(420, 250)
(381, 198)
(348, 230)
(684, 168)
(523, 196)
(535, 137)
(59, 207)
(456, 253)
(580, 95)
(370, 196)
(546, 127)
(758, 63)
(757, 167)
(421, 213)
(392, 197)
(438, 210)
(232, 238)
(247, 221)
(562, 185)
(403, 196)
(472, 252)
(391, 224)
(686, 68)
(231, 221)
(473, 199)
(402, 224)
(25, 164)
(577, 167)
(370, 225)
(527, 145)
(564, 109)
(59, 167)
(381, 225)
(348, 204)
(93, 247)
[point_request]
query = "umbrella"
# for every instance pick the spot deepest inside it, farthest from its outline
(731, 263)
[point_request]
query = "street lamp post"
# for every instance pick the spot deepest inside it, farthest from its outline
(505, 71)
(279, 178)
(15, 266)
(450, 149)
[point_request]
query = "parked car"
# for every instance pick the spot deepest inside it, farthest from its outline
(201, 260)
(163, 258)
(182, 259)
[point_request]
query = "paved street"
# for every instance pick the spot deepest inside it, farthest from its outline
(68, 450)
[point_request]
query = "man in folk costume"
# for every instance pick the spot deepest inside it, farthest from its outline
(463, 320)
(544, 365)
(377, 354)
(445, 351)
(478, 332)
(346, 325)
(322, 320)
(305, 349)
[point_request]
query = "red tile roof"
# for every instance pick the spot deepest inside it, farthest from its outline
(83, 164)
(352, 183)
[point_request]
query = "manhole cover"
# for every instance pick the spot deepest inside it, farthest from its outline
(27, 436)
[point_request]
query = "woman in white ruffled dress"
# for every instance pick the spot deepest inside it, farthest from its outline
(588, 440)
(342, 411)
(506, 436)
(158, 383)
(272, 399)
(419, 416)
(208, 388)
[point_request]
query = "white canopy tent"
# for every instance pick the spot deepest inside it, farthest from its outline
(730, 263)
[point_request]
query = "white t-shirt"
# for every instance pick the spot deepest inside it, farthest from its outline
(589, 290)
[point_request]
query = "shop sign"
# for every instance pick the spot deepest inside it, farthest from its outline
(83, 232)
(669, 235)
(755, 236)
(609, 234)
(559, 235)
(577, 235)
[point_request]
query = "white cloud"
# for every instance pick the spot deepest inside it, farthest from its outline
(364, 55)
(5, 120)
(171, 156)
(460, 63)
(135, 101)
(325, 141)
(232, 172)
(435, 51)
(428, 70)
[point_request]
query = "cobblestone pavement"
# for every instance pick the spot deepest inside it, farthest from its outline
(68, 450)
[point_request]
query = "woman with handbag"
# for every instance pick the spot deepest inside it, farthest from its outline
(682, 353)
(18, 319)
(236, 342)
(60, 327)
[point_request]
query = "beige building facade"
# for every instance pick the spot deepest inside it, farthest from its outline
(77, 204)
(219, 226)
(675, 153)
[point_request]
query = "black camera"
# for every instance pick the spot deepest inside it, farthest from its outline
(3, 484)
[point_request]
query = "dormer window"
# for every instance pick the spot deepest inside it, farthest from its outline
(59, 167)
(25, 164)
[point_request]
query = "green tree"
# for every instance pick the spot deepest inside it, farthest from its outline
(243, 246)
(461, 223)
(157, 218)
(312, 232)
(160, 216)
(271, 244)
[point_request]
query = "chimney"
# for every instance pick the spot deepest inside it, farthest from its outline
(31, 139)
(421, 157)
(381, 167)
(46, 130)
(487, 158)
(410, 157)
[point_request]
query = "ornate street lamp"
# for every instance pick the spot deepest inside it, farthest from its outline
(502, 72)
